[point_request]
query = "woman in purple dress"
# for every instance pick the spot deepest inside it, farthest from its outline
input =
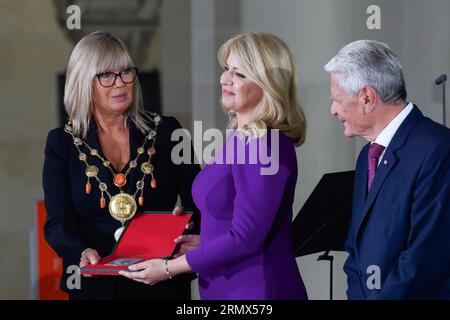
(246, 193)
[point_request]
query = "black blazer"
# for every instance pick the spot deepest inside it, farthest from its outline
(75, 220)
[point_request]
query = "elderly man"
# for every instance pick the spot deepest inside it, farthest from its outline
(399, 237)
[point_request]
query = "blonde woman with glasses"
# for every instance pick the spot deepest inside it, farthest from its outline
(108, 161)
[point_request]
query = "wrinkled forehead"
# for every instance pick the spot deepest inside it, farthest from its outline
(335, 80)
(335, 86)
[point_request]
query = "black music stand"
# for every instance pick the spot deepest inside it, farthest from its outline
(323, 221)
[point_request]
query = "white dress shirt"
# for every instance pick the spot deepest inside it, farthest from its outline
(385, 137)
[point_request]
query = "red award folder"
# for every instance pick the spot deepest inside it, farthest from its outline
(149, 235)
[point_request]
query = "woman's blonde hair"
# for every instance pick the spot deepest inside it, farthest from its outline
(267, 61)
(95, 53)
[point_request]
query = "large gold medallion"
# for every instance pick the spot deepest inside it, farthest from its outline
(122, 207)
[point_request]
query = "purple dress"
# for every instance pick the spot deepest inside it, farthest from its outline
(246, 248)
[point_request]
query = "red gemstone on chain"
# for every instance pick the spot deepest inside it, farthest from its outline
(120, 179)
(153, 183)
(151, 151)
(141, 201)
(102, 202)
(88, 187)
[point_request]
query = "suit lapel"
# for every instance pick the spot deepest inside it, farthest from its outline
(388, 162)
(94, 142)
(360, 185)
(92, 137)
(136, 138)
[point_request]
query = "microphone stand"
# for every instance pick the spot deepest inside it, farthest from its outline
(328, 247)
(442, 80)
(326, 256)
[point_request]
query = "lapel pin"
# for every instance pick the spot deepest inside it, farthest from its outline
(385, 162)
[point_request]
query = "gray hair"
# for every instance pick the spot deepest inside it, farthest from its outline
(369, 62)
(95, 53)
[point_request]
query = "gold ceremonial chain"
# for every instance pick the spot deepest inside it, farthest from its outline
(122, 206)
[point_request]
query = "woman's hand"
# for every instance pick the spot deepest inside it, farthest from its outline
(179, 210)
(151, 272)
(187, 243)
(89, 256)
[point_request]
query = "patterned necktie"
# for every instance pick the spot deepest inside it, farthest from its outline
(375, 150)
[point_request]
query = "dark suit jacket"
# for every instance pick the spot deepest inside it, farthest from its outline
(75, 220)
(402, 225)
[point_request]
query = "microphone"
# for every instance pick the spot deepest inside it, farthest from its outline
(440, 79)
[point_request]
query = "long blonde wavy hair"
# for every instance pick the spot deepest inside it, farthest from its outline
(267, 61)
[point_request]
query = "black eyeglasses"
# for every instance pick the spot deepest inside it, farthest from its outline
(108, 78)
